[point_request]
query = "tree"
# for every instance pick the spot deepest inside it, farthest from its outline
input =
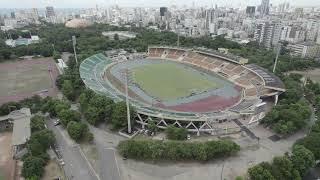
(119, 115)
(302, 159)
(152, 126)
(77, 130)
(33, 167)
(175, 133)
(56, 55)
(176, 150)
(67, 115)
(260, 172)
(312, 143)
(53, 106)
(92, 115)
(116, 37)
(67, 90)
(37, 123)
(40, 141)
(282, 168)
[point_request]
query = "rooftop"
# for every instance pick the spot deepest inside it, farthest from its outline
(21, 125)
(21, 131)
(271, 80)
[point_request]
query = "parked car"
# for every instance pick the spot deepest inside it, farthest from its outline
(57, 122)
(188, 137)
(61, 162)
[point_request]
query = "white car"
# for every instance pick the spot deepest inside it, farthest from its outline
(57, 122)
(188, 137)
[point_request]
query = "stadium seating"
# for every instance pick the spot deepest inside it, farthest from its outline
(253, 82)
(244, 105)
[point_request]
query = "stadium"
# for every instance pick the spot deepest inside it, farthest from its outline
(204, 91)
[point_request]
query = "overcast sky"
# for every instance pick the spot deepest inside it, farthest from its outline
(144, 3)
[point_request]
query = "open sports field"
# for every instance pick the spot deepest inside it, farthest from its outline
(24, 78)
(167, 81)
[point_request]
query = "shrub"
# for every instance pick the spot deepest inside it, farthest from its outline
(33, 167)
(176, 150)
(77, 130)
(175, 133)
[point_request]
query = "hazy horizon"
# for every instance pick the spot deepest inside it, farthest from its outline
(8, 4)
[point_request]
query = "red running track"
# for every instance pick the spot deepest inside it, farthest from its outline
(210, 104)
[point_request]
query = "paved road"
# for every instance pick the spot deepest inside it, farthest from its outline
(109, 165)
(106, 143)
(76, 167)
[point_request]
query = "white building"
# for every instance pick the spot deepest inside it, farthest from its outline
(268, 34)
(305, 49)
(292, 34)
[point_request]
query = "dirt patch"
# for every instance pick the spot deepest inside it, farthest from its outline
(6, 161)
(52, 171)
(313, 74)
(24, 78)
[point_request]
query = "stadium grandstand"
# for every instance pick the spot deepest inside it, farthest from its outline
(199, 89)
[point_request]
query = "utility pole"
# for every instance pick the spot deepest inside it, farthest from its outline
(127, 101)
(276, 60)
(74, 43)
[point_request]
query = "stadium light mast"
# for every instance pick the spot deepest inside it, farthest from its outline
(74, 43)
(276, 60)
(127, 101)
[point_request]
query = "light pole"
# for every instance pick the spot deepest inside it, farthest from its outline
(74, 42)
(127, 100)
(276, 60)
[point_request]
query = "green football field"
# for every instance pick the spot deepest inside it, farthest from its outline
(168, 81)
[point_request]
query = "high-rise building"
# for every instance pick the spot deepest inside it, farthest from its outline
(292, 34)
(13, 15)
(264, 8)
(163, 11)
(305, 49)
(251, 11)
(268, 34)
(50, 11)
(209, 19)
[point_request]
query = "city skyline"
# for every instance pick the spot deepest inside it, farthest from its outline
(146, 3)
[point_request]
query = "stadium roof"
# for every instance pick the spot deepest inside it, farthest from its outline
(228, 57)
(271, 80)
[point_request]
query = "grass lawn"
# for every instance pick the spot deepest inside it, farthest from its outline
(1, 176)
(168, 81)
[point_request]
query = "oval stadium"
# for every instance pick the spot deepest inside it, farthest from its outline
(204, 91)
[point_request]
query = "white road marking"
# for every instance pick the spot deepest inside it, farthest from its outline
(89, 164)
(114, 155)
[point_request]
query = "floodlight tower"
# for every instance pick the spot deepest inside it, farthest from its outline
(74, 43)
(276, 60)
(127, 101)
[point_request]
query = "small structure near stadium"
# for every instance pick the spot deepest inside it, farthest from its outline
(19, 121)
(201, 90)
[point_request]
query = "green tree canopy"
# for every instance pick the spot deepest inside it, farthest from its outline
(302, 159)
(37, 123)
(175, 133)
(33, 167)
